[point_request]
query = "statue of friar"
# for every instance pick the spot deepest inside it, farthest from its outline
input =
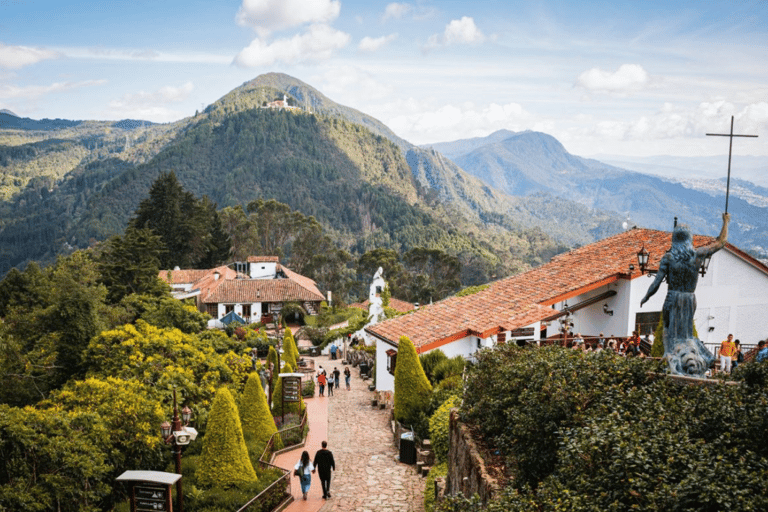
(685, 353)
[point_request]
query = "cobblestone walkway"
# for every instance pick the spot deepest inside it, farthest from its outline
(367, 477)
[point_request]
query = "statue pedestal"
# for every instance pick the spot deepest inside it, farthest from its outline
(688, 357)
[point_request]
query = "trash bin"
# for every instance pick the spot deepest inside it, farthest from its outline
(407, 448)
(364, 369)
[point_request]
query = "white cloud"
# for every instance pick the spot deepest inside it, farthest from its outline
(35, 91)
(142, 55)
(266, 16)
(628, 78)
(419, 124)
(151, 105)
(352, 86)
(163, 95)
(463, 31)
(371, 44)
(318, 43)
(15, 57)
(396, 11)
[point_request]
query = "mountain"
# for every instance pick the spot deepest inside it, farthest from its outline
(72, 184)
(532, 163)
(7, 112)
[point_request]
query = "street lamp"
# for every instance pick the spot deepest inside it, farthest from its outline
(178, 435)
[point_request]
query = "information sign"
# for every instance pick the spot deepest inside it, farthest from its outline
(291, 389)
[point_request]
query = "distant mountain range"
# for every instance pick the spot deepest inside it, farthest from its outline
(502, 202)
(528, 163)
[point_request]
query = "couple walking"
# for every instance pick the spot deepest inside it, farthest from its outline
(323, 464)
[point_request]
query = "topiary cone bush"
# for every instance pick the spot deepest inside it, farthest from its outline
(224, 461)
(290, 350)
(412, 388)
(255, 417)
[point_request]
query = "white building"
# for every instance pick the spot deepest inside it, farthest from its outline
(596, 289)
(255, 289)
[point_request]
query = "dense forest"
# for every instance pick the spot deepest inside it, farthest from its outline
(356, 184)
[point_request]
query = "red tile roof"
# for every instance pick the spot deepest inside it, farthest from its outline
(260, 290)
(523, 299)
(396, 304)
(232, 287)
(263, 259)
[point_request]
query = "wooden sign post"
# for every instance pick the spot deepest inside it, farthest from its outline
(291, 390)
(150, 490)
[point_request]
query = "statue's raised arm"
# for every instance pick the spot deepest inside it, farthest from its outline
(722, 239)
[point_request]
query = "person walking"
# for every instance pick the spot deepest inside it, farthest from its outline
(329, 378)
(324, 464)
(304, 469)
(347, 376)
(336, 375)
(321, 382)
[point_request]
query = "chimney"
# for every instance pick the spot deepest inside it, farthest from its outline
(216, 275)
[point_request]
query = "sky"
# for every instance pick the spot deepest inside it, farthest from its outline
(626, 77)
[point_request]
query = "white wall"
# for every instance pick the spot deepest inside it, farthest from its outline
(384, 380)
(263, 270)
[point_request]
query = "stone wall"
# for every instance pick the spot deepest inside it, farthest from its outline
(466, 468)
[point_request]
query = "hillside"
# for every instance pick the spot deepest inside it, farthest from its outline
(531, 163)
(367, 189)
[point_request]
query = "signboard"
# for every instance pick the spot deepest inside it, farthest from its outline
(291, 389)
(149, 498)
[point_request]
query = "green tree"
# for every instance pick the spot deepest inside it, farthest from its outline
(164, 312)
(130, 264)
(435, 274)
(439, 428)
(256, 418)
(224, 461)
(290, 351)
(412, 388)
(53, 460)
(657, 350)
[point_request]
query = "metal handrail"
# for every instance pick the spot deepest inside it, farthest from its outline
(286, 478)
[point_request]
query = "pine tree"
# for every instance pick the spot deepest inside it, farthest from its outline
(412, 388)
(224, 461)
(257, 421)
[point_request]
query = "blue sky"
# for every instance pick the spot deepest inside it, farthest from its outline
(621, 77)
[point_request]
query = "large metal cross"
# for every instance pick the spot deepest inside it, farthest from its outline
(730, 149)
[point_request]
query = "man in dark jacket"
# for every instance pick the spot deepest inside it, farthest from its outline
(324, 464)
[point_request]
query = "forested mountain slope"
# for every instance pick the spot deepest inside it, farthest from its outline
(531, 163)
(362, 186)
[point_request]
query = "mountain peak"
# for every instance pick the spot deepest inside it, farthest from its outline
(8, 112)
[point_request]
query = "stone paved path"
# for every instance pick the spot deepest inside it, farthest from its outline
(367, 477)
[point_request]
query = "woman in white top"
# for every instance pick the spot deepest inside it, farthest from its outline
(304, 470)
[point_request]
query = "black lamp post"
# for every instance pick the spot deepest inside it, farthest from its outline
(177, 435)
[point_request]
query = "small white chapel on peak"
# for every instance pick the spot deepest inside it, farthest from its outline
(598, 287)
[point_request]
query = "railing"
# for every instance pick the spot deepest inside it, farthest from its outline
(290, 436)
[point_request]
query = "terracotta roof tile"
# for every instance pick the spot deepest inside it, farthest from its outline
(522, 299)
(263, 259)
(260, 290)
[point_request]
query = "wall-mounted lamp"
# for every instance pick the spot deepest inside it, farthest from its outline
(711, 328)
(607, 311)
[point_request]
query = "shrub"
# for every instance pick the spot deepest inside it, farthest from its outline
(430, 360)
(449, 368)
(520, 398)
(412, 388)
(290, 351)
(224, 461)
(255, 417)
(437, 471)
(439, 429)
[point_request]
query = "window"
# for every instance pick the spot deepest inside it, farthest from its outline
(645, 323)
(264, 308)
(391, 361)
(246, 311)
(228, 308)
(213, 310)
(501, 338)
